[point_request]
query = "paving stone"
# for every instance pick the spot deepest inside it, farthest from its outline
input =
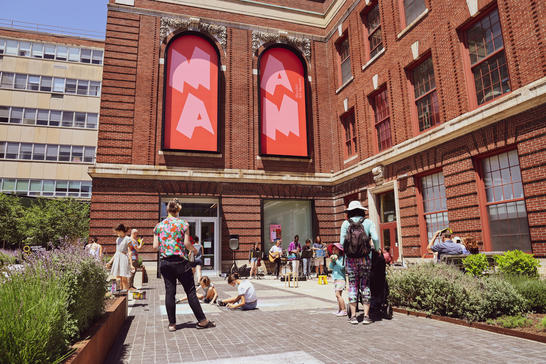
(296, 325)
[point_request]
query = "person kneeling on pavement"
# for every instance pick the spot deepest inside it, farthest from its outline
(246, 298)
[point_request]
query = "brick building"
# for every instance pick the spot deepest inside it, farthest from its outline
(49, 109)
(266, 118)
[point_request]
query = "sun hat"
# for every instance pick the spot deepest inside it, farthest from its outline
(339, 246)
(355, 205)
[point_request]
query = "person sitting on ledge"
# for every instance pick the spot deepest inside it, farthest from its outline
(446, 247)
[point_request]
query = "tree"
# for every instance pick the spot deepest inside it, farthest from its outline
(11, 212)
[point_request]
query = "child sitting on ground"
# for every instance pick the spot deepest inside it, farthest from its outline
(337, 265)
(209, 294)
(246, 295)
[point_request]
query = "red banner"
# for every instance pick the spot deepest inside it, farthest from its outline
(283, 110)
(191, 95)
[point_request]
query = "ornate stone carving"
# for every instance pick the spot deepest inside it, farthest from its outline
(378, 174)
(170, 25)
(261, 38)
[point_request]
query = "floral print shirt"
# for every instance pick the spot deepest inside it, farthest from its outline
(171, 236)
(132, 247)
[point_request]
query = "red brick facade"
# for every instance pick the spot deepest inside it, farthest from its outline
(130, 130)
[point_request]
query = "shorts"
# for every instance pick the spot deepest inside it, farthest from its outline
(319, 261)
(253, 260)
(339, 284)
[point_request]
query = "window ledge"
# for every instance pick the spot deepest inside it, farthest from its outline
(345, 84)
(373, 59)
(44, 161)
(190, 154)
(287, 158)
(350, 159)
(412, 24)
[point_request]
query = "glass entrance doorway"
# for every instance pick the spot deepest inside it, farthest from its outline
(202, 215)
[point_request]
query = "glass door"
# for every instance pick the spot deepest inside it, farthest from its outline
(208, 240)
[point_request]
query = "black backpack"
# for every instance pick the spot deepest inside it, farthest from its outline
(357, 242)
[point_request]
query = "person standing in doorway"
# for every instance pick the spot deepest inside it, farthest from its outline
(171, 236)
(358, 269)
(198, 259)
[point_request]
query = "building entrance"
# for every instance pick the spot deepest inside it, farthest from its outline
(388, 226)
(202, 216)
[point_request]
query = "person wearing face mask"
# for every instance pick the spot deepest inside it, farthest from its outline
(246, 298)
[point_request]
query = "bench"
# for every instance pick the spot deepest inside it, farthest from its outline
(457, 260)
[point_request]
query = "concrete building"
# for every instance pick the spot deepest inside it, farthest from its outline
(50, 88)
(265, 118)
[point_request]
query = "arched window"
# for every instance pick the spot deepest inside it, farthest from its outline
(283, 113)
(190, 110)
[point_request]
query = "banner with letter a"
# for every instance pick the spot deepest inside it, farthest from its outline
(191, 95)
(283, 109)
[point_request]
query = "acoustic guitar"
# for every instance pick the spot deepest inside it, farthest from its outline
(274, 256)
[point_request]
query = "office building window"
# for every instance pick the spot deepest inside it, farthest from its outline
(48, 188)
(344, 59)
(487, 58)
(505, 204)
(20, 81)
(14, 47)
(433, 192)
(43, 117)
(372, 21)
(426, 97)
(412, 10)
(348, 123)
(380, 105)
(49, 152)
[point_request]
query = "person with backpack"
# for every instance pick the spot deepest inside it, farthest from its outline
(358, 236)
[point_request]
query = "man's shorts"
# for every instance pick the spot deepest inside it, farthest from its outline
(339, 284)
(319, 261)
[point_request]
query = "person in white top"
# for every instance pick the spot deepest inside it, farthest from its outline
(275, 256)
(94, 248)
(246, 298)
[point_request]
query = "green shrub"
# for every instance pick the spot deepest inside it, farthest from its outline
(475, 264)
(444, 290)
(511, 322)
(532, 289)
(32, 316)
(517, 262)
(49, 304)
(542, 324)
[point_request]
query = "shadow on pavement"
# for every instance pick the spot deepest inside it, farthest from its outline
(119, 350)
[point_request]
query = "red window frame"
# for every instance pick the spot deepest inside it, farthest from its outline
(372, 50)
(421, 200)
(348, 122)
(482, 192)
(496, 57)
(344, 55)
(380, 106)
(402, 7)
(428, 96)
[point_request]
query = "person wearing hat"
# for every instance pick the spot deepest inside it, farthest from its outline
(358, 269)
(337, 265)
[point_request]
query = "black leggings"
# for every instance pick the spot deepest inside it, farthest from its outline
(172, 269)
(277, 266)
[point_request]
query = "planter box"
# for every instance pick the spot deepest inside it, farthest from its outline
(476, 325)
(103, 334)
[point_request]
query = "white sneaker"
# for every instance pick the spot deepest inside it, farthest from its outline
(336, 313)
(341, 314)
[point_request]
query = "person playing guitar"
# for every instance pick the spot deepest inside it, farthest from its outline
(275, 256)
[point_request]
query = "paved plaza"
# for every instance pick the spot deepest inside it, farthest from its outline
(296, 325)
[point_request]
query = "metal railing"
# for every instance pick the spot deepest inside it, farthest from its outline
(44, 28)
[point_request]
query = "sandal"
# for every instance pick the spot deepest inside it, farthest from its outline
(208, 325)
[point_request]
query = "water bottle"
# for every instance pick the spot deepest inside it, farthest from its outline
(114, 287)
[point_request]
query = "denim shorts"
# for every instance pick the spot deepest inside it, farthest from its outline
(253, 260)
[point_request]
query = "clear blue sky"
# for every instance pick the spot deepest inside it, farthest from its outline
(88, 15)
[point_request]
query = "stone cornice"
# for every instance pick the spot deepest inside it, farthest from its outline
(266, 38)
(171, 25)
(525, 98)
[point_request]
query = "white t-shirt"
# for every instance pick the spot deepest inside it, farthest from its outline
(247, 289)
(275, 249)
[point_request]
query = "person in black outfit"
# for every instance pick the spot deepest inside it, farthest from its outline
(174, 264)
(275, 252)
